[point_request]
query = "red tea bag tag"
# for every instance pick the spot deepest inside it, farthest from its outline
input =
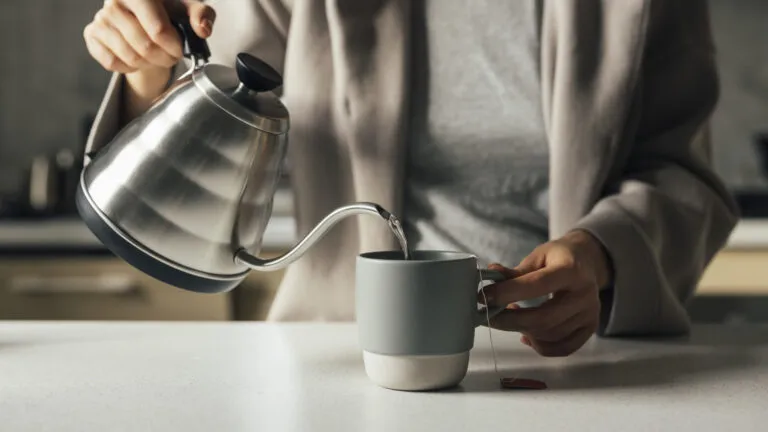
(522, 384)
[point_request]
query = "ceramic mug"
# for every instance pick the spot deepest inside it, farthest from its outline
(416, 318)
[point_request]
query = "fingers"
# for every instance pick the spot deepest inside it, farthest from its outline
(557, 328)
(154, 19)
(201, 17)
(134, 35)
(131, 35)
(532, 262)
(113, 40)
(508, 272)
(106, 58)
(564, 347)
(528, 286)
(562, 330)
(560, 325)
(550, 317)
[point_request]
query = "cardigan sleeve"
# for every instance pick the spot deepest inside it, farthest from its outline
(667, 214)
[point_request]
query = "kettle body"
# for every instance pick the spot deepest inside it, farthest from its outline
(189, 180)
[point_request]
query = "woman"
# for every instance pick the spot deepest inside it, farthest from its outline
(490, 128)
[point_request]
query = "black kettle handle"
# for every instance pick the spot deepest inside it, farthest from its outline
(193, 46)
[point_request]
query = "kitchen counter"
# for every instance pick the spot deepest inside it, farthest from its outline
(80, 376)
(749, 234)
(279, 235)
(72, 233)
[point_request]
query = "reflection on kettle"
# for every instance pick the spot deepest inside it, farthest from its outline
(184, 192)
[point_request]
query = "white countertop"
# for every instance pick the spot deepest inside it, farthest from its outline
(309, 377)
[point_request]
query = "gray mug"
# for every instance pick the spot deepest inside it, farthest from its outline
(417, 318)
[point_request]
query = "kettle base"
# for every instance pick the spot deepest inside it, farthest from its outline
(144, 261)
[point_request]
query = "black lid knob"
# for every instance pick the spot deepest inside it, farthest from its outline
(256, 75)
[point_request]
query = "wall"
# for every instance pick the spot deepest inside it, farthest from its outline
(741, 36)
(48, 83)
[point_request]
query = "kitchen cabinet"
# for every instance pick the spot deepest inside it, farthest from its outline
(741, 268)
(252, 299)
(97, 288)
(56, 269)
(85, 286)
(736, 272)
(734, 288)
(107, 288)
(104, 287)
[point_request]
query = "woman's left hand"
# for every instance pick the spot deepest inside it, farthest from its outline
(572, 269)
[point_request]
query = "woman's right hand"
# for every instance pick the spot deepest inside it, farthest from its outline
(136, 38)
(135, 35)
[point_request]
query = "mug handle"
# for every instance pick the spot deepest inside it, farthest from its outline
(495, 276)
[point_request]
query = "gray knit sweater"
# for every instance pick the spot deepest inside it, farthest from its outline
(477, 175)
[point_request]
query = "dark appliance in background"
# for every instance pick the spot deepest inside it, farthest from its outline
(753, 202)
(49, 183)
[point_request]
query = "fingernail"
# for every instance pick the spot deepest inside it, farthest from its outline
(207, 26)
(488, 298)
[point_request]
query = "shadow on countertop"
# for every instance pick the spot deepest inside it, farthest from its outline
(710, 351)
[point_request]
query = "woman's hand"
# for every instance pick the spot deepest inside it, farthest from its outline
(131, 35)
(572, 269)
(136, 37)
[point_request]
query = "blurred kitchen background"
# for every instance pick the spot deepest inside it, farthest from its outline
(51, 267)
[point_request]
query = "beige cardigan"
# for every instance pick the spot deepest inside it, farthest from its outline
(628, 87)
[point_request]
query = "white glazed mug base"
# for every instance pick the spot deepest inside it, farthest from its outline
(416, 372)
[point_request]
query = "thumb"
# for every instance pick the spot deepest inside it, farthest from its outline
(201, 17)
(508, 272)
(529, 264)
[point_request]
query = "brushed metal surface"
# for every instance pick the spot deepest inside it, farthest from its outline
(189, 181)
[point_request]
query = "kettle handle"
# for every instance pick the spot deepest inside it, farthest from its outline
(193, 46)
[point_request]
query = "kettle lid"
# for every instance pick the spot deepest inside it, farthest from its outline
(245, 92)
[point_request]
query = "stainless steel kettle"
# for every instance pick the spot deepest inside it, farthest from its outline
(184, 192)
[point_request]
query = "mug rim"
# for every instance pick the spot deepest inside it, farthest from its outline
(394, 256)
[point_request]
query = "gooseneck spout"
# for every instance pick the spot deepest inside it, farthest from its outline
(362, 208)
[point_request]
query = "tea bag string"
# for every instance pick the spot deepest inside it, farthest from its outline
(488, 319)
(509, 382)
(490, 333)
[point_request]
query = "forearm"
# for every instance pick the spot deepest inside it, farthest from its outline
(140, 90)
